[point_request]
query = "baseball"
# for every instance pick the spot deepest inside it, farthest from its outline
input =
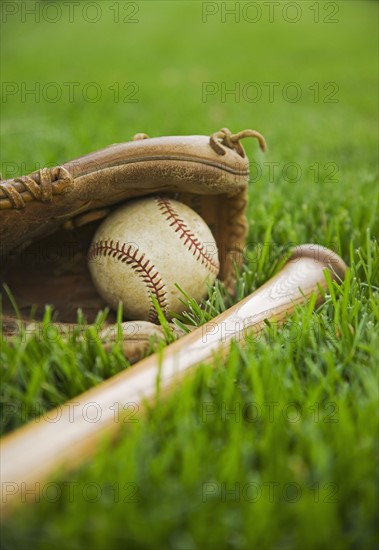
(146, 247)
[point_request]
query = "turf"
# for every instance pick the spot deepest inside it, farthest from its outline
(295, 465)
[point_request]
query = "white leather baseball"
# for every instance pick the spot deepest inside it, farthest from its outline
(144, 248)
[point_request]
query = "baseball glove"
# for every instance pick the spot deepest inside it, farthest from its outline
(48, 219)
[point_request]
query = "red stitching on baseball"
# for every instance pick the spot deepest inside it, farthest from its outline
(191, 242)
(139, 264)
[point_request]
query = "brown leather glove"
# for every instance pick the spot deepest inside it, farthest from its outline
(47, 219)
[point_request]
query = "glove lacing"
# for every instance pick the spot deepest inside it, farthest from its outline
(42, 185)
(224, 137)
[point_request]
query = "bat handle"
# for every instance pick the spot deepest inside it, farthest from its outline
(327, 258)
(301, 276)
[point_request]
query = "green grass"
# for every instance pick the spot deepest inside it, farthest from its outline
(301, 450)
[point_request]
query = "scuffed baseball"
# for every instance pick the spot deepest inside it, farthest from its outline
(144, 248)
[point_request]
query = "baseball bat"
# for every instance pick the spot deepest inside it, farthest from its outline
(33, 452)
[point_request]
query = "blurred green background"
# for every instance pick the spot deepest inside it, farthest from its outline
(79, 76)
(168, 53)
